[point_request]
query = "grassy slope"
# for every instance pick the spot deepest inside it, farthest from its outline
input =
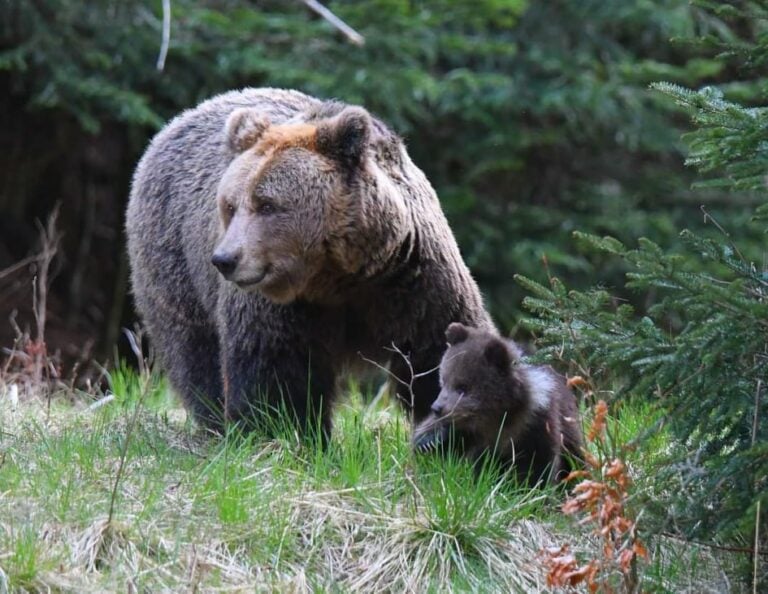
(193, 513)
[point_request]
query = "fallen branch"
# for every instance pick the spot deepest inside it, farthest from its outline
(166, 35)
(352, 36)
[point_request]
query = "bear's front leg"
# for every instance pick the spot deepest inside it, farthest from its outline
(270, 374)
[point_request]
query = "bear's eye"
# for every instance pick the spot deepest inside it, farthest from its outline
(461, 389)
(229, 209)
(266, 208)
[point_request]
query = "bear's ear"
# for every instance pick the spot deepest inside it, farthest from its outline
(497, 354)
(345, 137)
(456, 333)
(244, 128)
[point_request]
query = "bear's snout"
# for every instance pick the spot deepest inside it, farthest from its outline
(225, 262)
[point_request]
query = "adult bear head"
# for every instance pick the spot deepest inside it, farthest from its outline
(309, 208)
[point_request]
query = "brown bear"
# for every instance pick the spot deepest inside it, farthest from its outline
(275, 242)
(493, 404)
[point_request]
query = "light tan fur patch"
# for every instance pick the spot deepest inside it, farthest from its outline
(288, 136)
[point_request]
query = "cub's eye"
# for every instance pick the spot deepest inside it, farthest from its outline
(461, 389)
(266, 208)
(229, 210)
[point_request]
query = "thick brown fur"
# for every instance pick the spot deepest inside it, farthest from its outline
(332, 247)
(493, 404)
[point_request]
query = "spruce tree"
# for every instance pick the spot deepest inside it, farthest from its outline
(700, 352)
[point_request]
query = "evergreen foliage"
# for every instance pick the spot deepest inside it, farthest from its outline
(700, 351)
(531, 119)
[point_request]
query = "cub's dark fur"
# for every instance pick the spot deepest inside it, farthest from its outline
(493, 404)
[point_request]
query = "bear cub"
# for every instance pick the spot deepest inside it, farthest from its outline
(491, 403)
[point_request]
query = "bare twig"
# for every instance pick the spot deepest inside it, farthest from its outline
(135, 340)
(413, 375)
(352, 36)
(49, 245)
(386, 370)
(166, 35)
(17, 338)
(18, 265)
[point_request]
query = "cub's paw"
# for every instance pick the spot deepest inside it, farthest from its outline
(431, 440)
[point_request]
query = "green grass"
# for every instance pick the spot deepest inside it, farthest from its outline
(198, 513)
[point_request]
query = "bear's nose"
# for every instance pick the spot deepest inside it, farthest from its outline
(226, 262)
(437, 409)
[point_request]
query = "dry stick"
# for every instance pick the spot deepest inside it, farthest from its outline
(49, 240)
(18, 265)
(135, 338)
(166, 35)
(411, 371)
(353, 36)
(13, 351)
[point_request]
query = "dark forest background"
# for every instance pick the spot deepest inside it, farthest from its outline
(532, 120)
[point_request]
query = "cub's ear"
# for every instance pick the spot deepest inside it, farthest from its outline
(345, 137)
(244, 128)
(497, 354)
(456, 333)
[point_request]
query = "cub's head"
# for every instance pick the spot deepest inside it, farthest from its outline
(481, 389)
(302, 204)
